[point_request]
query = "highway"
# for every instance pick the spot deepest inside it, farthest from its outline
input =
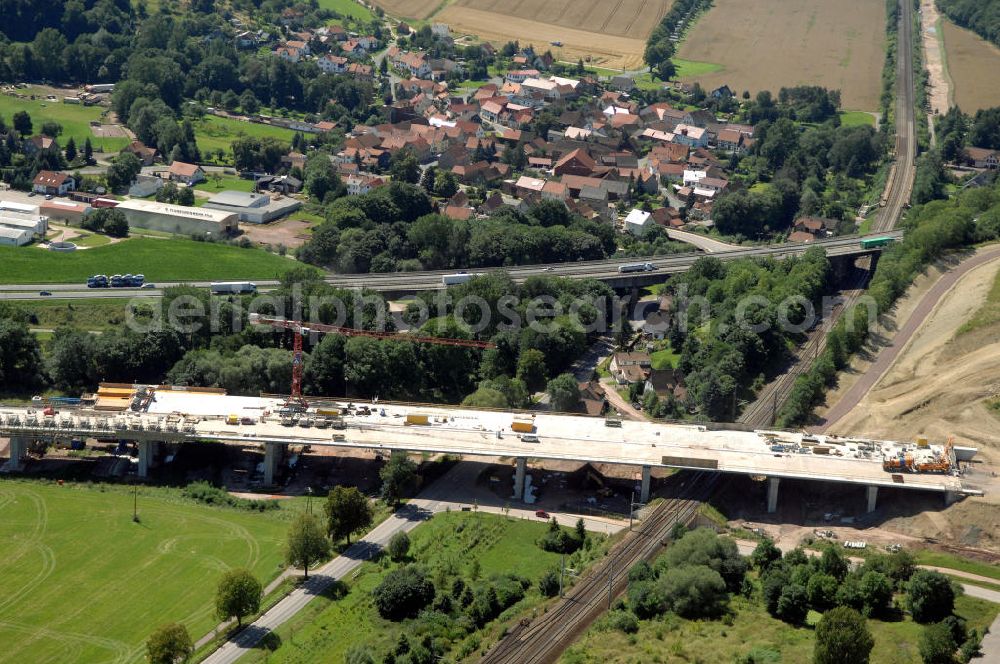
(411, 282)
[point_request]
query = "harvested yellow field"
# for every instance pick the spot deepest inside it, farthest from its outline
(612, 34)
(412, 9)
(770, 44)
(973, 65)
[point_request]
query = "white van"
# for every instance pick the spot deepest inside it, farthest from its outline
(529, 438)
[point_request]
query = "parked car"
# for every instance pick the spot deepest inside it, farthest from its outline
(44, 293)
(542, 514)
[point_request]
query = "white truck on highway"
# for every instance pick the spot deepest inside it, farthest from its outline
(460, 278)
(233, 287)
(636, 267)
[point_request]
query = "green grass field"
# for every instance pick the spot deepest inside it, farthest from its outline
(215, 133)
(671, 639)
(940, 559)
(664, 359)
(225, 183)
(693, 68)
(853, 118)
(327, 628)
(92, 240)
(90, 314)
(83, 583)
(159, 260)
(347, 8)
(74, 118)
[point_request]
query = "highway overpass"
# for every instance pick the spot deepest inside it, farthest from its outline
(402, 283)
(150, 416)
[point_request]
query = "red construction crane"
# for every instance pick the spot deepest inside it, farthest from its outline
(300, 329)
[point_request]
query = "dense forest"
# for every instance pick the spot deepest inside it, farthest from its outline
(980, 16)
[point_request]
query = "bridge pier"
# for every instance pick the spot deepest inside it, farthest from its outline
(644, 489)
(273, 454)
(950, 497)
(147, 456)
(18, 450)
(872, 497)
(519, 470)
(772, 494)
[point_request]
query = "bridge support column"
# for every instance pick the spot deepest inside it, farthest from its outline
(273, 453)
(644, 488)
(950, 497)
(872, 497)
(772, 494)
(519, 469)
(18, 450)
(147, 453)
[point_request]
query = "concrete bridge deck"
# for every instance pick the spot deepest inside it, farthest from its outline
(179, 416)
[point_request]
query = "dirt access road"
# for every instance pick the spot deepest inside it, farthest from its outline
(857, 401)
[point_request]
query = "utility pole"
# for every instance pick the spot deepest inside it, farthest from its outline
(135, 503)
(611, 574)
(309, 495)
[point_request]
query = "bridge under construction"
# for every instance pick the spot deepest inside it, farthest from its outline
(153, 417)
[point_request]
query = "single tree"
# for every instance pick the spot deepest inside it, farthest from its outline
(402, 593)
(307, 542)
(930, 596)
(764, 555)
(399, 546)
(170, 644)
(347, 511)
(51, 129)
(238, 595)
(88, 151)
(842, 637)
(22, 123)
(185, 196)
(564, 393)
(70, 150)
(398, 476)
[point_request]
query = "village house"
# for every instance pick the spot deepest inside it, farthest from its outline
(983, 158)
(189, 174)
(52, 183)
(630, 368)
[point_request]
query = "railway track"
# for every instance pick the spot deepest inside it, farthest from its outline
(542, 640)
(761, 411)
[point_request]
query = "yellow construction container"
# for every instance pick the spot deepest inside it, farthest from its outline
(523, 426)
(922, 442)
(232, 419)
(418, 418)
(328, 412)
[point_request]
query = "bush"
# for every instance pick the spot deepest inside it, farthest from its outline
(646, 599)
(403, 593)
(694, 591)
(822, 591)
(203, 492)
(622, 620)
(558, 540)
(842, 637)
(937, 645)
(399, 546)
(548, 585)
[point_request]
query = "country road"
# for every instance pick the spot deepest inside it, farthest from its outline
(438, 497)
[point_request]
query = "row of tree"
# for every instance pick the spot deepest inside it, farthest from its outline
(980, 16)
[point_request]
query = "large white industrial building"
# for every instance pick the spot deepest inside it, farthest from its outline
(254, 208)
(177, 218)
(21, 223)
